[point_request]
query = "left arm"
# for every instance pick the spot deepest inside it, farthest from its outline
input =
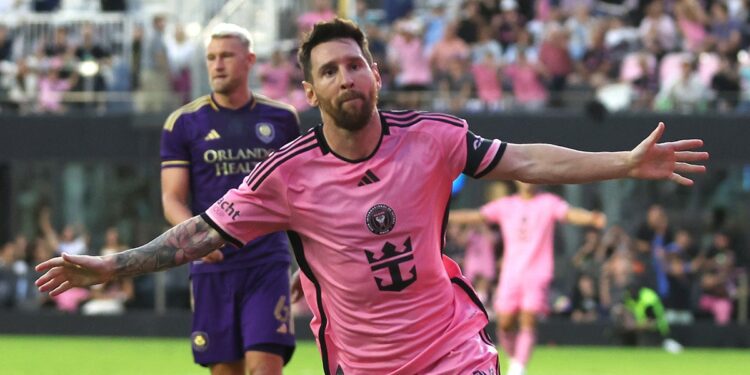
(582, 217)
(550, 164)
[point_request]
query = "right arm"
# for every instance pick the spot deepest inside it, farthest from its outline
(466, 216)
(175, 183)
(189, 240)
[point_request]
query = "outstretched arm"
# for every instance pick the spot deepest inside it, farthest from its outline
(185, 242)
(465, 216)
(549, 164)
(583, 217)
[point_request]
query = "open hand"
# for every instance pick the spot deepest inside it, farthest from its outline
(70, 271)
(652, 160)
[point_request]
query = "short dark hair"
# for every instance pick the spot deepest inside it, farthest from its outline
(325, 32)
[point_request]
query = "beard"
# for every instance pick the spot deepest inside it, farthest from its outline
(351, 119)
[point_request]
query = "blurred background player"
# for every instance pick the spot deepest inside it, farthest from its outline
(241, 310)
(527, 222)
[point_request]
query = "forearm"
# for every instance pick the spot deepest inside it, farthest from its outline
(189, 240)
(550, 164)
(175, 210)
(465, 217)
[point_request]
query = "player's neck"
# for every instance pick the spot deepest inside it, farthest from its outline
(234, 100)
(527, 195)
(353, 145)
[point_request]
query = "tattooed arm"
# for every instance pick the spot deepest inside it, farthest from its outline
(187, 241)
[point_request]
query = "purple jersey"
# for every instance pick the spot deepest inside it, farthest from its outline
(220, 146)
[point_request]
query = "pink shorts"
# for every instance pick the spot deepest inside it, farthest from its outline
(476, 355)
(519, 294)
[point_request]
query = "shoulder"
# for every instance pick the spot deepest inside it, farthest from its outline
(265, 101)
(186, 110)
(421, 121)
(289, 158)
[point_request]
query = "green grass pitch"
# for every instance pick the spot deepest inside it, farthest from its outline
(46, 355)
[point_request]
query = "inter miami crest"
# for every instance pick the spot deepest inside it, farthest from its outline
(380, 219)
(264, 131)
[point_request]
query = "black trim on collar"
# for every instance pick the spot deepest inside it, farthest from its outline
(325, 148)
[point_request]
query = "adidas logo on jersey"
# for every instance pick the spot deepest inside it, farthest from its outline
(369, 178)
(212, 135)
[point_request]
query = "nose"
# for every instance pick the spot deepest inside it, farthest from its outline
(346, 79)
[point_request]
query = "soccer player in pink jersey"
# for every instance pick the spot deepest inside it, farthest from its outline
(527, 222)
(364, 198)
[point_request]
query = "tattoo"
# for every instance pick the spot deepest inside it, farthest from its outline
(187, 241)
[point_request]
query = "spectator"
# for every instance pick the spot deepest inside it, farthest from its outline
(180, 52)
(525, 77)
(726, 33)
(509, 23)
(580, 29)
(435, 23)
(486, 45)
(90, 51)
(687, 93)
(680, 271)
(21, 84)
(275, 76)
(691, 19)
(585, 301)
(716, 266)
(597, 63)
(586, 260)
(7, 276)
(322, 10)
(487, 82)
(59, 46)
(526, 43)
(6, 44)
(154, 70)
(744, 76)
(470, 22)
(53, 86)
(657, 30)
(409, 63)
(136, 57)
(652, 237)
(554, 57)
(446, 49)
(726, 85)
(455, 85)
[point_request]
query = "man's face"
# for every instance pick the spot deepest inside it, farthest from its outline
(343, 83)
(228, 62)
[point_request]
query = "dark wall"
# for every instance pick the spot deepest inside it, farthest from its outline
(137, 137)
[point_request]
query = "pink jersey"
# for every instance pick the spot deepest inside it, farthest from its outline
(528, 227)
(368, 235)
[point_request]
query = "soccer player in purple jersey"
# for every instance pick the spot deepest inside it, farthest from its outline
(364, 197)
(241, 315)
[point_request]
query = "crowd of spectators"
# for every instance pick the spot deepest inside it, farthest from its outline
(494, 55)
(463, 55)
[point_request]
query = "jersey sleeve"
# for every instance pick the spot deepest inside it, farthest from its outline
(469, 153)
(492, 211)
(244, 214)
(174, 151)
(559, 207)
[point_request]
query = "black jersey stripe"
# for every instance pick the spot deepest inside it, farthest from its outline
(265, 164)
(494, 162)
(279, 162)
(418, 119)
(223, 234)
(299, 254)
(470, 292)
(406, 115)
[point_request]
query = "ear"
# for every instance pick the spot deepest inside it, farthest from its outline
(312, 99)
(376, 73)
(251, 59)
